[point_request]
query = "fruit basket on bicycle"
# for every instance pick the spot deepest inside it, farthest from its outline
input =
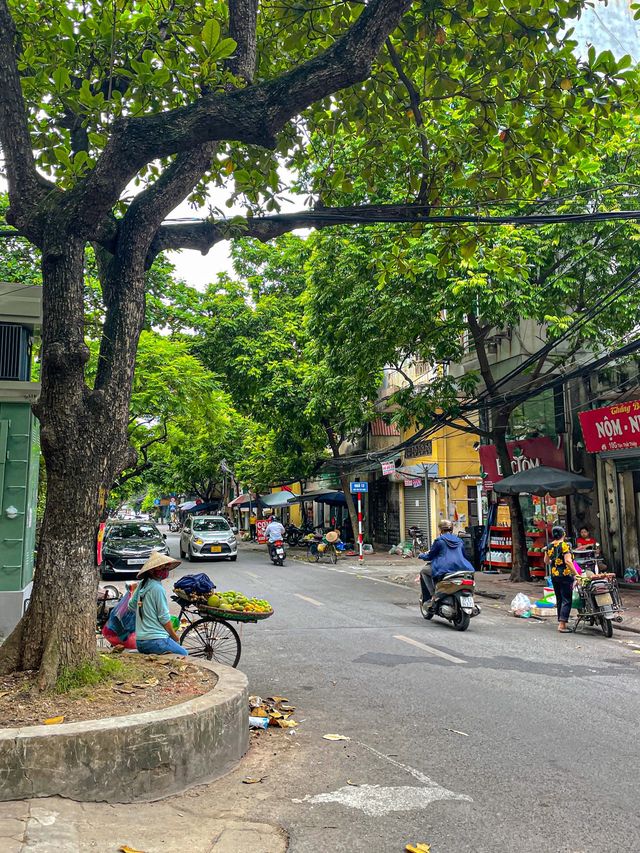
(212, 635)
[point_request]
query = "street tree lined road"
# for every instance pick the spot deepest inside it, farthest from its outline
(507, 738)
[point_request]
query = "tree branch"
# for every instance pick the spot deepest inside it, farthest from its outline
(252, 115)
(479, 335)
(414, 100)
(26, 187)
(243, 18)
(144, 450)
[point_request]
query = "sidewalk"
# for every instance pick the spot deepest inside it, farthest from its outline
(405, 570)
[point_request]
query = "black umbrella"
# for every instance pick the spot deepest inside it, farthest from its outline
(543, 481)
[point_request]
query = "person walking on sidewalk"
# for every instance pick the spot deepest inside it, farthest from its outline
(559, 559)
(155, 634)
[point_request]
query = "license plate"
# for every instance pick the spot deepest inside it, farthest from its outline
(466, 601)
(216, 549)
(136, 562)
(280, 552)
(603, 599)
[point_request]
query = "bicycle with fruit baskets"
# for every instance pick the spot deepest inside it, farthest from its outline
(208, 632)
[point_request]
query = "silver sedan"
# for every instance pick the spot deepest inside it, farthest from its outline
(208, 536)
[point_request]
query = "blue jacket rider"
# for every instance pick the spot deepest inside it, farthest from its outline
(446, 553)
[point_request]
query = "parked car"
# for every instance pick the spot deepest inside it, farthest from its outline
(127, 546)
(208, 536)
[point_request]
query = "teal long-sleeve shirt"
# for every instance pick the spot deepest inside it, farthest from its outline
(149, 602)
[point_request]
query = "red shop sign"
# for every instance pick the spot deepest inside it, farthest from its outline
(525, 454)
(612, 428)
(261, 528)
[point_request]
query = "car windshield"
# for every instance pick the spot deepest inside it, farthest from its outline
(133, 531)
(210, 524)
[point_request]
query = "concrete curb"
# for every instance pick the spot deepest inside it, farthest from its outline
(131, 758)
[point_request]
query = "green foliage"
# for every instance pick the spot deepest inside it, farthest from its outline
(88, 674)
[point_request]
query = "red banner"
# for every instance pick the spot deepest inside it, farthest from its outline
(525, 454)
(261, 526)
(612, 428)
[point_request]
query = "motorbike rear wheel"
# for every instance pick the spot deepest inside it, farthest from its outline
(461, 621)
(607, 627)
(426, 613)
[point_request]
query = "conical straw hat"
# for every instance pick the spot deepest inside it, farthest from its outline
(158, 561)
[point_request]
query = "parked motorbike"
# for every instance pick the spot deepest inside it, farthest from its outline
(418, 543)
(277, 552)
(294, 535)
(599, 601)
(174, 527)
(451, 598)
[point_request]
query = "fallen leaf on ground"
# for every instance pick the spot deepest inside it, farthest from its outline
(141, 686)
(290, 708)
(124, 690)
(126, 849)
(255, 701)
(4, 693)
(353, 784)
(259, 712)
(151, 682)
(418, 848)
(287, 724)
(335, 737)
(252, 781)
(278, 698)
(51, 721)
(456, 732)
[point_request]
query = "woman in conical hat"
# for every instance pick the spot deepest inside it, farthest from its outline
(155, 634)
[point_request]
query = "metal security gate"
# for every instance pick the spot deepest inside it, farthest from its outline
(385, 512)
(415, 508)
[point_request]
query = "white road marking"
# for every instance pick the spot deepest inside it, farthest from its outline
(429, 649)
(375, 801)
(253, 575)
(310, 600)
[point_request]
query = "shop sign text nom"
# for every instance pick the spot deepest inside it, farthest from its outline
(612, 427)
(526, 454)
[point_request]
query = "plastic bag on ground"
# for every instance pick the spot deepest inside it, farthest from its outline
(521, 605)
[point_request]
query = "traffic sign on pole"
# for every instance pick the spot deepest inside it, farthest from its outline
(358, 487)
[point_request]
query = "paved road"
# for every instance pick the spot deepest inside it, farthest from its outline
(548, 760)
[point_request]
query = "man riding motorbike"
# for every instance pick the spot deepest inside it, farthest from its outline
(446, 555)
(274, 532)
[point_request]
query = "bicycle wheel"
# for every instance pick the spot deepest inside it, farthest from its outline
(333, 555)
(212, 639)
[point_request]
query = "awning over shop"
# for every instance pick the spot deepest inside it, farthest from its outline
(208, 507)
(276, 500)
(321, 496)
(243, 501)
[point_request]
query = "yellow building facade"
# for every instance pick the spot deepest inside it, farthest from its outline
(451, 461)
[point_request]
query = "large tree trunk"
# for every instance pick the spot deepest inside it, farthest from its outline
(85, 445)
(520, 565)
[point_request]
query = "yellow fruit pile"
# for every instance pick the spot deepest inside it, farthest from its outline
(237, 602)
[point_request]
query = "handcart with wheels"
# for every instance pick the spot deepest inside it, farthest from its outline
(209, 632)
(600, 602)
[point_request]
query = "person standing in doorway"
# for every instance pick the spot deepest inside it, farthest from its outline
(559, 559)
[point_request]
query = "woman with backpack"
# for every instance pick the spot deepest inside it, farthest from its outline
(155, 634)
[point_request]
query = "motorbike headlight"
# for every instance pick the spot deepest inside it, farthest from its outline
(198, 541)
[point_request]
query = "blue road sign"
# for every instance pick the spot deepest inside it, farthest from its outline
(356, 487)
